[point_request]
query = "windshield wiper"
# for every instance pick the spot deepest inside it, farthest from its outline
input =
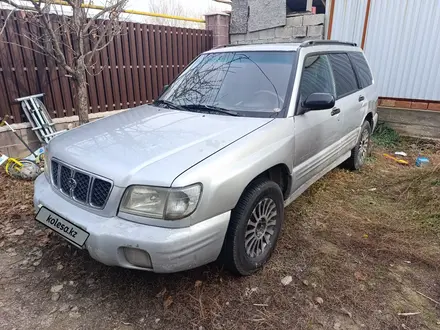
(210, 108)
(169, 104)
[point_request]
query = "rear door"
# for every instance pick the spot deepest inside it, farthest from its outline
(366, 84)
(315, 131)
(349, 99)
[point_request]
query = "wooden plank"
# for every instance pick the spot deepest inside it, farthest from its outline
(170, 61)
(330, 22)
(200, 40)
(127, 65)
(147, 60)
(203, 41)
(185, 48)
(364, 32)
(163, 56)
(96, 70)
(157, 45)
(140, 58)
(28, 56)
(22, 86)
(180, 49)
(113, 73)
(175, 58)
(55, 81)
(4, 106)
(67, 81)
(106, 76)
(9, 78)
(66, 92)
(121, 71)
(43, 74)
(134, 64)
(152, 44)
(190, 45)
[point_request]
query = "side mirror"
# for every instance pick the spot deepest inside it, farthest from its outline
(165, 87)
(318, 101)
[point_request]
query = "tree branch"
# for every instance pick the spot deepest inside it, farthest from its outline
(6, 21)
(116, 7)
(100, 44)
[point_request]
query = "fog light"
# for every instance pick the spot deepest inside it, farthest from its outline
(137, 257)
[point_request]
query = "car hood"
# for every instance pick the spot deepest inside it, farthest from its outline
(147, 144)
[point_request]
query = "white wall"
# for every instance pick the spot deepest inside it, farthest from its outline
(402, 43)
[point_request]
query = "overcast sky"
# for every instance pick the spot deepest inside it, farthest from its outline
(197, 5)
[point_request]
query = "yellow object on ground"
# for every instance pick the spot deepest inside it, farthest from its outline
(400, 161)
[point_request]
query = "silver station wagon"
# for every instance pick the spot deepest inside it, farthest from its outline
(204, 173)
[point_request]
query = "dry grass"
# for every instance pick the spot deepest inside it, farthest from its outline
(364, 242)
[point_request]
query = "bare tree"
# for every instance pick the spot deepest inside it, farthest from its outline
(72, 34)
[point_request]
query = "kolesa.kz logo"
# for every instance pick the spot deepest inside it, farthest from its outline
(54, 222)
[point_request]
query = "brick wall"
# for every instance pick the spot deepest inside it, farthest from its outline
(299, 27)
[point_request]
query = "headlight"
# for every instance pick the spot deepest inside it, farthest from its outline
(161, 203)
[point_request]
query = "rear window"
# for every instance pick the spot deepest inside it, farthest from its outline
(345, 78)
(361, 67)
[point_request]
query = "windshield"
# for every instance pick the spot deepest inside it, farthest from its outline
(248, 83)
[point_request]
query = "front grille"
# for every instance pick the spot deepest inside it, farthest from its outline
(100, 192)
(82, 187)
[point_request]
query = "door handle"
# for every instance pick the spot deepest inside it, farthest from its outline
(335, 111)
(361, 98)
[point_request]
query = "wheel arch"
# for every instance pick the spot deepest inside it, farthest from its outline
(280, 174)
(369, 118)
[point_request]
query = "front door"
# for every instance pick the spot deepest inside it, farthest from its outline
(315, 131)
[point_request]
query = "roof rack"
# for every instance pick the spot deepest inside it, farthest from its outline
(309, 43)
(229, 45)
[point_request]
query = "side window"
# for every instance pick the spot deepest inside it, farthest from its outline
(316, 77)
(345, 79)
(361, 67)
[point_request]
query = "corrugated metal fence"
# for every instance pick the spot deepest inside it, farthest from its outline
(402, 43)
(131, 71)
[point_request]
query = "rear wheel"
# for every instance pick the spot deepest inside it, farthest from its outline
(362, 149)
(254, 228)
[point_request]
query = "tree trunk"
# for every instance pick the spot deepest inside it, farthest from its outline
(81, 97)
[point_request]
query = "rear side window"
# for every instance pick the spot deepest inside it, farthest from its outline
(345, 78)
(361, 67)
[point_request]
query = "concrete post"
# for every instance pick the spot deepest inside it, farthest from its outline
(218, 23)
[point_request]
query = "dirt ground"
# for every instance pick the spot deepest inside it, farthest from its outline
(361, 248)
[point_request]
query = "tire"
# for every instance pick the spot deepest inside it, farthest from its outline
(362, 149)
(253, 229)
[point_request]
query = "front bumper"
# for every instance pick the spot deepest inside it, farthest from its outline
(170, 250)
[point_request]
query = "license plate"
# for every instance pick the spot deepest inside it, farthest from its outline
(65, 228)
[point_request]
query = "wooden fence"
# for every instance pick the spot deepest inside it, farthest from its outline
(131, 71)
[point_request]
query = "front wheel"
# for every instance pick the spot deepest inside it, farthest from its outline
(254, 228)
(362, 149)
